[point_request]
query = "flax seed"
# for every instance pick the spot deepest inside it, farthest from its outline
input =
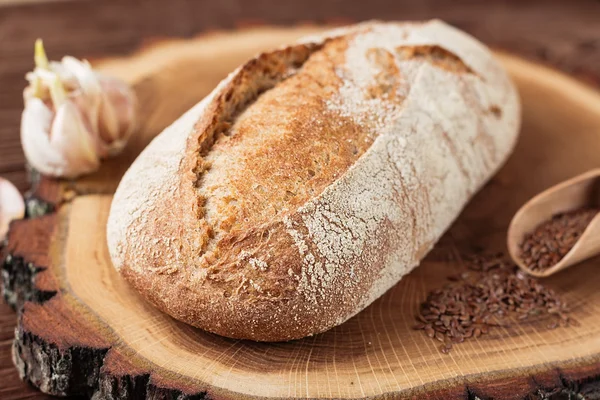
(494, 293)
(553, 239)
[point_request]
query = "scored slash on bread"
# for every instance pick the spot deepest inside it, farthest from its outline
(312, 178)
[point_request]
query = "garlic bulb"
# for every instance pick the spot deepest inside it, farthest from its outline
(73, 117)
(12, 206)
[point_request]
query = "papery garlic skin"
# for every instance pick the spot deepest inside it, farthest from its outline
(12, 206)
(73, 117)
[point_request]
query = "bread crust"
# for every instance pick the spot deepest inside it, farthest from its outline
(411, 119)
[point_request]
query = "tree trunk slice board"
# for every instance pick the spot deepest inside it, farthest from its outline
(82, 331)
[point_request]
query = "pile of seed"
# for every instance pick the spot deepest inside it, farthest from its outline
(492, 292)
(552, 240)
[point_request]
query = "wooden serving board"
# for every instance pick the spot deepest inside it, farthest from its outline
(82, 331)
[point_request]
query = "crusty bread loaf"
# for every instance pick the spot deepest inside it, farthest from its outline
(312, 178)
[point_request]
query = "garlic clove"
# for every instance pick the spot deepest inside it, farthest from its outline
(58, 94)
(57, 144)
(84, 74)
(117, 113)
(70, 136)
(36, 121)
(108, 124)
(12, 206)
(88, 87)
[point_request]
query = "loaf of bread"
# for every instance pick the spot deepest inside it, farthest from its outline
(312, 178)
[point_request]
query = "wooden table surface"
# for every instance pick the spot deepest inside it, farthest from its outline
(565, 34)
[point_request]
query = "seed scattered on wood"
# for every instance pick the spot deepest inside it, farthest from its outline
(553, 325)
(494, 293)
(445, 348)
(550, 241)
(429, 331)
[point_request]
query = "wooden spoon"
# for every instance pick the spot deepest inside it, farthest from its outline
(577, 192)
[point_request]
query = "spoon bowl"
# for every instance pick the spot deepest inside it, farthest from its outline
(574, 193)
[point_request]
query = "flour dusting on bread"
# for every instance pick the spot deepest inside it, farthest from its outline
(323, 189)
(425, 102)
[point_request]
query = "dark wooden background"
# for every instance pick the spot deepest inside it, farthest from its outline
(562, 33)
